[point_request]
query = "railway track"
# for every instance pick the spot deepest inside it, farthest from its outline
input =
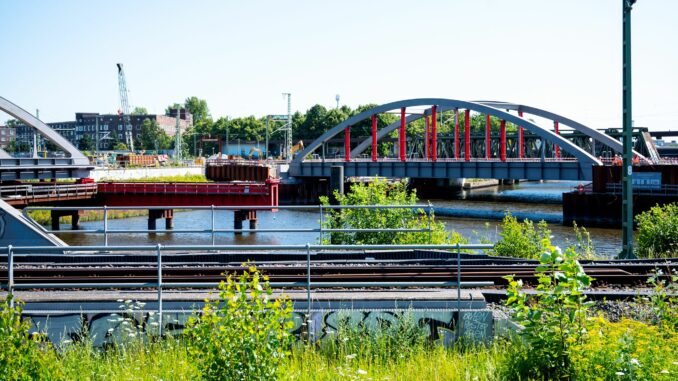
(628, 273)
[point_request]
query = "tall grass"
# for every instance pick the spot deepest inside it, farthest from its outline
(43, 217)
(166, 359)
(434, 363)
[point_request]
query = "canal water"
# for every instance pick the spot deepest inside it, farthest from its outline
(475, 214)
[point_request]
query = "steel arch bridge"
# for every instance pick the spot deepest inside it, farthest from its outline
(12, 168)
(569, 162)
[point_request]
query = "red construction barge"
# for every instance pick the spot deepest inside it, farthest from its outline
(189, 194)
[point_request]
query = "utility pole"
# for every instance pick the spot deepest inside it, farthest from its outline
(627, 119)
(177, 137)
(268, 127)
(96, 133)
(288, 128)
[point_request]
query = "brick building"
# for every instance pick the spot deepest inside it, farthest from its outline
(7, 134)
(110, 126)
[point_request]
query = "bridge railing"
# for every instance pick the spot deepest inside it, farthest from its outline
(186, 188)
(321, 229)
(159, 284)
(37, 191)
(445, 159)
(662, 190)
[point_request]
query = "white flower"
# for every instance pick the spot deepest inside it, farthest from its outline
(351, 356)
(635, 361)
(360, 371)
(664, 371)
(66, 342)
(110, 330)
(119, 300)
(619, 373)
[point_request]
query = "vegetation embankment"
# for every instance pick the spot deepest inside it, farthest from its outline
(245, 335)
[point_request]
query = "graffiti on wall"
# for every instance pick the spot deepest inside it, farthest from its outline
(105, 328)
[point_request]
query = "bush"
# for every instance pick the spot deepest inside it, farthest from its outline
(658, 232)
(23, 356)
(381, 192)
(554, 319)
(522, 240)
(243, 335)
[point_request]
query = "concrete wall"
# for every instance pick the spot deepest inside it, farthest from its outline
(102, 174)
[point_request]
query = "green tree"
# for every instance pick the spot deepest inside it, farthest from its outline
(12, 146)
(173, 106)
(247, 129)
(86, 143)
(381, 192)
(120, 146)
(198, 108)
(153, 137)
(139, 111)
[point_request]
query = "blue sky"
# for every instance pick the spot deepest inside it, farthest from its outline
(564, 56)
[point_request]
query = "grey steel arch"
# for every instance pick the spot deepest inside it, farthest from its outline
(615, 144)
(76, 156)
(4, 154)
(584, 158)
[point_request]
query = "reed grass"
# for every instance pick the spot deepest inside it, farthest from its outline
(43, 217)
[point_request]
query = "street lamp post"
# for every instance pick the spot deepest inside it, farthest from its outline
(627, 169)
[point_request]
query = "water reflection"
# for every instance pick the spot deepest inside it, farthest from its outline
(475, 214)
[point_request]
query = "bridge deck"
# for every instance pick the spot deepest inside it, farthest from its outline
(444, 168)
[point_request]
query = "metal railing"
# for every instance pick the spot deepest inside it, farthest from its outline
(41, 191)
(662, 190)
(461, 159)
(321, 230)
(160, 285)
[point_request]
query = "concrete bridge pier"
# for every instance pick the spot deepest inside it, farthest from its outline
(74, 214)
(154, 214)
(241, 215)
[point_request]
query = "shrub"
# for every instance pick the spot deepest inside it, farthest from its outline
(381, 192)
(554, 319)
(522, 240)
(243, 335)
(23, 356)
(658, 232)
